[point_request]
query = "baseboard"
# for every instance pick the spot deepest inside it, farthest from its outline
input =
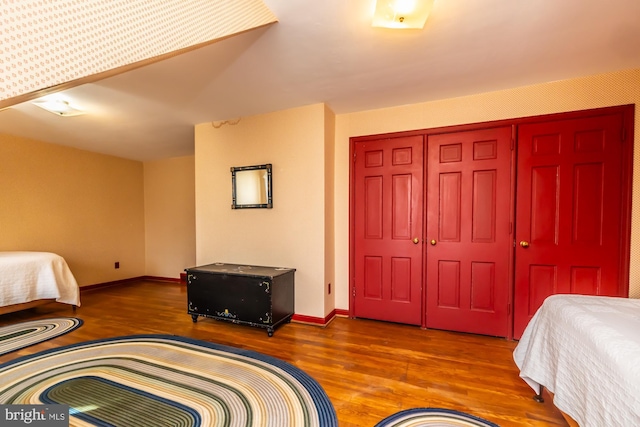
(127, 281)
(107, 284)
(162, 279)
(301, 318)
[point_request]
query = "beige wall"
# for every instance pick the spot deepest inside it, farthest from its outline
(169, 216)
(95, 209)
(576, 94)
(297, 141)
(292, 234)
(329, 209)
(84, 206)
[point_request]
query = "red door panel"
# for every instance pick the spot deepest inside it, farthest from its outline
(468, 231)
(388, 202)
(568, 211)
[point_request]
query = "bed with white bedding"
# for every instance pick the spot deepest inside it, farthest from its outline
(28, 278)
(586, 351)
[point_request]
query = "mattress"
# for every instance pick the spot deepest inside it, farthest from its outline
(586, 350)
(30, 276)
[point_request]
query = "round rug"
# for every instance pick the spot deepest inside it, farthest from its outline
(433, 417)
(163, 380)
(24, 334)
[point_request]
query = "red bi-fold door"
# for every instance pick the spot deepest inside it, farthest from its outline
(387, 204)
(468, 231)
(568, 214)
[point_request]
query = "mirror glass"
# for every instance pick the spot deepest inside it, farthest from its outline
(251, 187)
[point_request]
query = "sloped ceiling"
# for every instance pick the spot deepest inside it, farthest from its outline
(327, 51)
(55, 45)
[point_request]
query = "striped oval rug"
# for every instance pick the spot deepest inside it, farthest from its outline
(21, 335)
(433, 417)
(163, 380)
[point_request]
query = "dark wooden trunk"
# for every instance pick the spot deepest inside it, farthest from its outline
(252, 295)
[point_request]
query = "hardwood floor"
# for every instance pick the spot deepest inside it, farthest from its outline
(369, 369)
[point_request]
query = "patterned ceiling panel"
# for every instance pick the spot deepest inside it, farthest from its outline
(45, 43)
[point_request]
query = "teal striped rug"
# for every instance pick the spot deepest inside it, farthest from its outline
(21, 335)
(433, 417)
(163, 380)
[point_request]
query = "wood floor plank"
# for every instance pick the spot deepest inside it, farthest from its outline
(369, 369)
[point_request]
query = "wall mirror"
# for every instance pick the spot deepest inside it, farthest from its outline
(251, 187)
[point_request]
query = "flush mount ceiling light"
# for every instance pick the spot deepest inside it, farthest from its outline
(401, 13)
(58, 106)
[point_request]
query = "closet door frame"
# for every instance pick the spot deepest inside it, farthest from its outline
(628, 114)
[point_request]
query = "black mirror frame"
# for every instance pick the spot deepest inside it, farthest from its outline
(269, 203)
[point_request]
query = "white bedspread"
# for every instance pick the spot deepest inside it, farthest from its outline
(586, 350)
(29, 276)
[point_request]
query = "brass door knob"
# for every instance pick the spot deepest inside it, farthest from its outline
(416, 240)
(433, 242)
(524, 244)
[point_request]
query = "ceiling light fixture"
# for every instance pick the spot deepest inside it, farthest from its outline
(401, 13)
(58, 106)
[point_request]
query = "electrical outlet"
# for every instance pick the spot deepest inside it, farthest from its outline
(117, 265)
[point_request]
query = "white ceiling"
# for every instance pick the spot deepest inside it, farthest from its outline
(327, 51)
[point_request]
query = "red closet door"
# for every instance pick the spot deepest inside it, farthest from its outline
(568, 211)
(388, 218)
(468, 231)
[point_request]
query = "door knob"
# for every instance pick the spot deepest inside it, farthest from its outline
(416, 240)
(524, 244)
(433, 242)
